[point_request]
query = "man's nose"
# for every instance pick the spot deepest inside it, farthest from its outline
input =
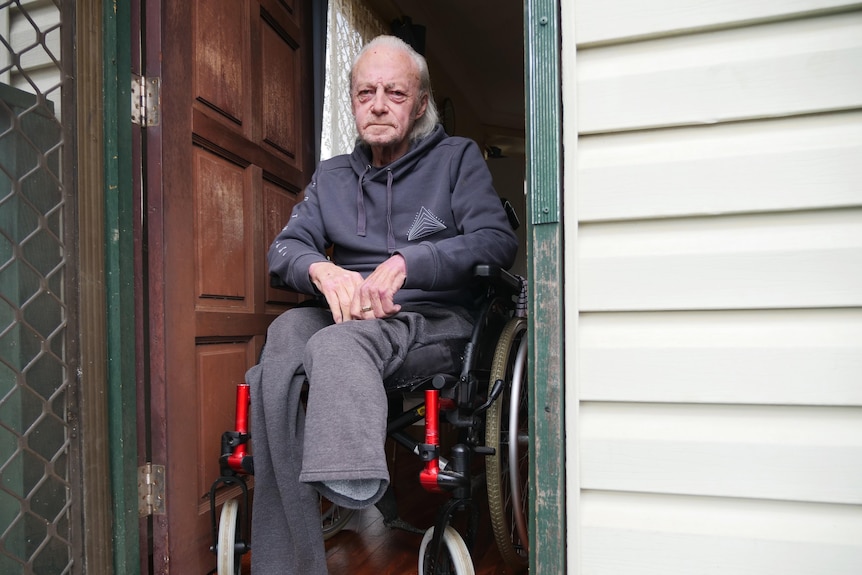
(378, 101)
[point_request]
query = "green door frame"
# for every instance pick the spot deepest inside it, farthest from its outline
(119, 284)
(544, 256)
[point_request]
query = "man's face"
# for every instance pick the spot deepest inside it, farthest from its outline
(385, 98)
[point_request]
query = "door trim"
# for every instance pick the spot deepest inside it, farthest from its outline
(119, 284)
(545, 264)
(96, 456)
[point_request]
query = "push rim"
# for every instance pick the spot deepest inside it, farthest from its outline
(508, 433)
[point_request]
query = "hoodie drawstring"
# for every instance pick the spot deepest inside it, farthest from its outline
(360, 209)
(360, 205)
(390, 239)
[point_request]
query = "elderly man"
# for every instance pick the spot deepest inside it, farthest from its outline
(408, 215)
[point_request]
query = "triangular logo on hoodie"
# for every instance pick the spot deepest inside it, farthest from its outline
(424, 224)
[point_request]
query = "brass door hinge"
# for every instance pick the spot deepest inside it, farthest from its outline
(151, 490)
(145, 101)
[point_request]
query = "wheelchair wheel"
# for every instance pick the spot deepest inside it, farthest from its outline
(228, 536)
(454, 557)
(333, 517)
(507, 431)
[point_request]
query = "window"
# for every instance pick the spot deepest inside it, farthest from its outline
(350, 25)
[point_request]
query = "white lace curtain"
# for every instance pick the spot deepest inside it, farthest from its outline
(349, 25)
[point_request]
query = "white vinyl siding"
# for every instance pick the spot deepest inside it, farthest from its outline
(713, 286)
(774, 69)
(807, 162)
(33, 33)
(652, 534)
(759, 357)
(772, 260)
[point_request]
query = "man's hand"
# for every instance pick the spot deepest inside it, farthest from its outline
(351, 297)
(338, 285)
(374, 297)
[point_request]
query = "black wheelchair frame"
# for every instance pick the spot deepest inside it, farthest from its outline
(486, 406)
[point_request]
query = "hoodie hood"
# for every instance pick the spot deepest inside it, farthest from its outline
(360, 161)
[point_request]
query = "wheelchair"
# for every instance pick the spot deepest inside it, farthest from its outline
(485, 406)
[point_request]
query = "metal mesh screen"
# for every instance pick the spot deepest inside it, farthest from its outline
(36, 373)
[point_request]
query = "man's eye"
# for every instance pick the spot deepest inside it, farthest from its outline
(397, 96)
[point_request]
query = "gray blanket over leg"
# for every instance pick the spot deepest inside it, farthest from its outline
(338, 447)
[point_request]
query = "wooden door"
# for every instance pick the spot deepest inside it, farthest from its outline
(229, 158)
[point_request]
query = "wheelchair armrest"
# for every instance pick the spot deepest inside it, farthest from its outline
(498, 277)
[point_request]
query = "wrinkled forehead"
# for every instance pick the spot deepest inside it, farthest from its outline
(386, 66)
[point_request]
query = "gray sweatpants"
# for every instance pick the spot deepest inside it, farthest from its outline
(340, 436)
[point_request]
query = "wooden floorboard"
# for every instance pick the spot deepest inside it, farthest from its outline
(368, 547)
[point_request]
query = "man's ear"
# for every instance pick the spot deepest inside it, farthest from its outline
(423, 105)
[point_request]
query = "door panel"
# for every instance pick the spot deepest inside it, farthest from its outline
(223, 210)
(232, 156)
(220, 49)
(219, 365)
(281, 59)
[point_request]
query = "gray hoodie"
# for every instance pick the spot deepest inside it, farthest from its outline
(436, 206)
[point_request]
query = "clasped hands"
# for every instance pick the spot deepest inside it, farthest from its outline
(349, 296)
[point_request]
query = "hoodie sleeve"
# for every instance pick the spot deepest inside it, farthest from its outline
(485, 235)
(300, 243)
